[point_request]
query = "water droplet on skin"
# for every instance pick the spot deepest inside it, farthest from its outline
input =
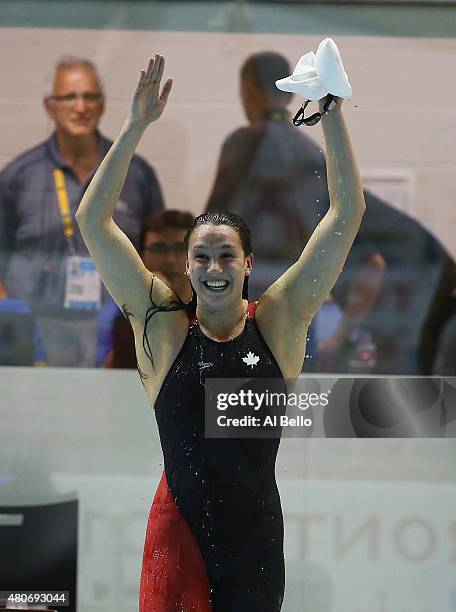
(338, 233)
(314, 280)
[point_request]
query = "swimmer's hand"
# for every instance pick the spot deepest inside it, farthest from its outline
(148, 103)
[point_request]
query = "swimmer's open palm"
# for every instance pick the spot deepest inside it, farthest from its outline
(148, 102)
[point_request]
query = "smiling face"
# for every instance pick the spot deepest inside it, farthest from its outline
(77, 102)
(217, 265)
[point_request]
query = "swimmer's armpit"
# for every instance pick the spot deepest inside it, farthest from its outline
(127, 314)
(142, 375)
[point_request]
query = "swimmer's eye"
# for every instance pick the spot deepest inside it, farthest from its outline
(204, 257)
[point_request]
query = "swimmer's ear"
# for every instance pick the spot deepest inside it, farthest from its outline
(249, 261)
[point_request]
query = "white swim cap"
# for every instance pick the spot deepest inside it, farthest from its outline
(318, 74)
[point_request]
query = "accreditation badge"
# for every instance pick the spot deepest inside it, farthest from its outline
(83, 284)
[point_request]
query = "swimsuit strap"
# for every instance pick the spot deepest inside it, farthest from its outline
(251, 308)
(192, 317)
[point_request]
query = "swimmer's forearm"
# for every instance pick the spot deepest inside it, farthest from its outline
(100, 199)
(344, 180)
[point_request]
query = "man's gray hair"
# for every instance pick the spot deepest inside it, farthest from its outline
(69, 61)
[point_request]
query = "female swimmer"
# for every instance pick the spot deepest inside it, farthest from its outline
(215, 532)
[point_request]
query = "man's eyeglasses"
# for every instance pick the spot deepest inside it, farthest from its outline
(162, 248)
(71, 98)
(299, 118)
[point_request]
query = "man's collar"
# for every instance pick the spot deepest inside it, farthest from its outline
(54, 152)
(276, 114)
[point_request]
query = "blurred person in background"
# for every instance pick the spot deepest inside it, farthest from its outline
(414, 260)
(163, 253)
(44, 262)
(274, 177)
(437, 354)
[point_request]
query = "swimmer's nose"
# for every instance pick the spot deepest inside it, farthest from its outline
(214, 266)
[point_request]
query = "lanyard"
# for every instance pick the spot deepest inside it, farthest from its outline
(64, 206)
(279, 114)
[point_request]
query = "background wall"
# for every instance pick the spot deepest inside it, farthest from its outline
(402, 118)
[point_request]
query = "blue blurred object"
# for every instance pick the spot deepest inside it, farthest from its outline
(20, 339)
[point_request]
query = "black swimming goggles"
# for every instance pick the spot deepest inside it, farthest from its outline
(299, 118)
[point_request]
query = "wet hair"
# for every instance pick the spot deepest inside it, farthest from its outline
(223, 218)
(165, 219)
(209, 218)
(263, 70)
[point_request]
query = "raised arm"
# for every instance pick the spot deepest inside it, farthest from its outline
(287, 307)
(118, 263)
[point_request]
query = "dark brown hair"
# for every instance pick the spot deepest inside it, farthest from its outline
(164, 219)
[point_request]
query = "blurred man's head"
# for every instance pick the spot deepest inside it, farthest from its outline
(258, 92)
(163, 249)
(75, 100)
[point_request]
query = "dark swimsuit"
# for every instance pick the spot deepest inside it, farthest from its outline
(214, 539)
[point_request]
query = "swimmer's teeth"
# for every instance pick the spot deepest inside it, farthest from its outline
(216, 283)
